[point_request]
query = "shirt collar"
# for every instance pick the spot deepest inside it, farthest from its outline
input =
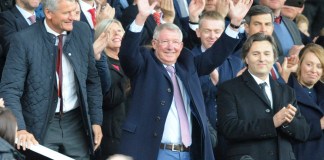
(259, 81)
(50, 30)
(25, 13)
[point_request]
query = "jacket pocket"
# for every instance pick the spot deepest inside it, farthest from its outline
(129, 127)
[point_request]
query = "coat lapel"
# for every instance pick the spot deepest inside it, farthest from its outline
(251, 83)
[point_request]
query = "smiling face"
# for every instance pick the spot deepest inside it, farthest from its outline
(260, 23)
(116, 33)
(260, 59)
(61, 19)
(311, 70)
(168, 46)
(209, 31)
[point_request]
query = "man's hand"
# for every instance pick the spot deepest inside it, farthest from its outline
(1, 103)
(168, 11)
(238, 11)
(285, 115)
(286, 69)
(241, 71)
(104, 12)
(25, 139)
(144, 10)
(214, 77)
(195, 9)
(322, 123)
(97, 135)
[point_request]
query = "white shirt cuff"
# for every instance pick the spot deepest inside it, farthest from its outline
(232, 33)
(135, 28)
(194, 27)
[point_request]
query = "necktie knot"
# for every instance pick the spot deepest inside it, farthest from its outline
(157, 17)
(262, 85)
(277, 20)
(170, 69)
(92, 11)
(32, 19)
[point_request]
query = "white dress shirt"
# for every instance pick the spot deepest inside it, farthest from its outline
(25, 14)
(85, 9)
(267, 87)
(70, 98)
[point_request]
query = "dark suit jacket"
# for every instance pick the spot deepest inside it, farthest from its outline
(313, 111)
(294, 32)
(11, 21)
(246, 120)
(152, 95)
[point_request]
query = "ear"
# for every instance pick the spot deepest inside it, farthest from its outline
(154, 44)
(48, 13)
(246, 27)
(198, 32)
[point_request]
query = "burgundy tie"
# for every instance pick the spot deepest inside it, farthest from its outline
(157, 18)
(184, 123)
(278, 20)
(273, 74)
(93, 15)
(32, 19)
(59, 71)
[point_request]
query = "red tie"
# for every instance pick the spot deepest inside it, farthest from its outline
(59, 71)
(93, 15)
(273, 74)
(157, 18)
(32, 19)
(278, 19)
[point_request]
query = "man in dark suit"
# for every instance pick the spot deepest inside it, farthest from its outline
(12, 21)
(286, 32)
(258, 115)
(51, 83)
(154, 118)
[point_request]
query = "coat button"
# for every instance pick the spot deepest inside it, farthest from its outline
(162, 103)
(155, 134)
(69, 54)
(169, 90)
(267, 110)
(157, 118)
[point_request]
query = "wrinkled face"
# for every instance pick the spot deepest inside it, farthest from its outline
(62, 18)
(290, 11)
(260, 23)
(116, 33)
(260, 59)
(210, 5)
(273, 4)
(311, 70)
(29, 4)
(168, 46)
(209, 31)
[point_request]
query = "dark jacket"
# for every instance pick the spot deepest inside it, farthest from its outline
(114, 109)
(28, 85)
(11, 21)
(152, 94)
(313, 111)
(8, 152)
(246, 120)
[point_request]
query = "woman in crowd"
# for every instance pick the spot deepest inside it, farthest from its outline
(8, 129)
(309, 88)
(114, 103)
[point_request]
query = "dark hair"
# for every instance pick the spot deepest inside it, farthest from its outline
(259, 37)
(8, 125)
(258, 10)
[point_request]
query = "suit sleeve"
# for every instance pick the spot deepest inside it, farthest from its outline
(93, 87)
(13, 79)
(298, 128)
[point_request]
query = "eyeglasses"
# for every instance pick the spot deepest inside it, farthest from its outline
(166, 42)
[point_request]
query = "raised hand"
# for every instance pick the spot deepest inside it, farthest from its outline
(168, 11)
(104, 12)
(100, 44)
(144, 10)
(222, 7)
(195, 9)
(238, 11)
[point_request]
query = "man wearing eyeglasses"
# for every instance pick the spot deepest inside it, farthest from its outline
(166, 117)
